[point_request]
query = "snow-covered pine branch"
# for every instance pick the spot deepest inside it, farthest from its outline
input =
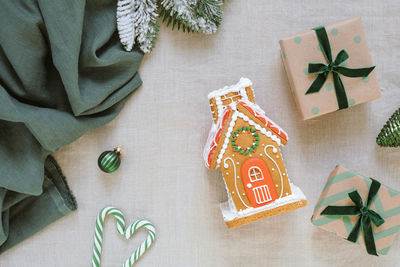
(125, 23)
(145, 17)
(198, 15)
(137, 20)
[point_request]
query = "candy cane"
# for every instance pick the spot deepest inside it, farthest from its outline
(126, 232)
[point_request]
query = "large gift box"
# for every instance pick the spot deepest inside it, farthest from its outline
(359, 209)
(341, 73)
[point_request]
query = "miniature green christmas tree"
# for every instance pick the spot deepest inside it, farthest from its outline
(390, 133)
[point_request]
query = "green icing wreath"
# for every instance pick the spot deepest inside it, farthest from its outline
(235, 135)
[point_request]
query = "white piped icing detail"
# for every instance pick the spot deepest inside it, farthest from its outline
(220, 105)
(230, 214)
(259, 113)
(211, 143)
(261, 129)
(234, 170)
(274, 150)
(227, 135)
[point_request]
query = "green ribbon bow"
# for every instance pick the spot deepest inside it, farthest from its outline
(323, 70)
(366, 216)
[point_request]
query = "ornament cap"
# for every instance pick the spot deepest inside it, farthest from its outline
(118, 150)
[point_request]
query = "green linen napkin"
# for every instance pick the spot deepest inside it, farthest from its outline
(62, 73)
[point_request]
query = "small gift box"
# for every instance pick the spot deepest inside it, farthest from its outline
(359, 209)
(329, 68)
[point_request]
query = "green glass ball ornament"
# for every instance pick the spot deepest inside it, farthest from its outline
(109, 161)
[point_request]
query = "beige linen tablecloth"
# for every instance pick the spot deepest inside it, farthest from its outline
(164, 126)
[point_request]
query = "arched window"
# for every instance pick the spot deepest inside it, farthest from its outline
(255, 174)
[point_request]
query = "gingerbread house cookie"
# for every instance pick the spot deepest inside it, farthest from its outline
(246, 144)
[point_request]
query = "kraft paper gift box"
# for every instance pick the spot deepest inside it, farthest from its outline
(303, 48)
(386, 203)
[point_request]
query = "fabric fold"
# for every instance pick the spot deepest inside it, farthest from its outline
(25, 215)
(63, 72)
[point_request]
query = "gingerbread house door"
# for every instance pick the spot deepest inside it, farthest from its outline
(258, 182)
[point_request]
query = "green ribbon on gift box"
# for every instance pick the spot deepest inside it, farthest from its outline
(323, 70)
(366, 216)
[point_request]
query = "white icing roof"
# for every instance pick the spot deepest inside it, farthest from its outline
(243, 83)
